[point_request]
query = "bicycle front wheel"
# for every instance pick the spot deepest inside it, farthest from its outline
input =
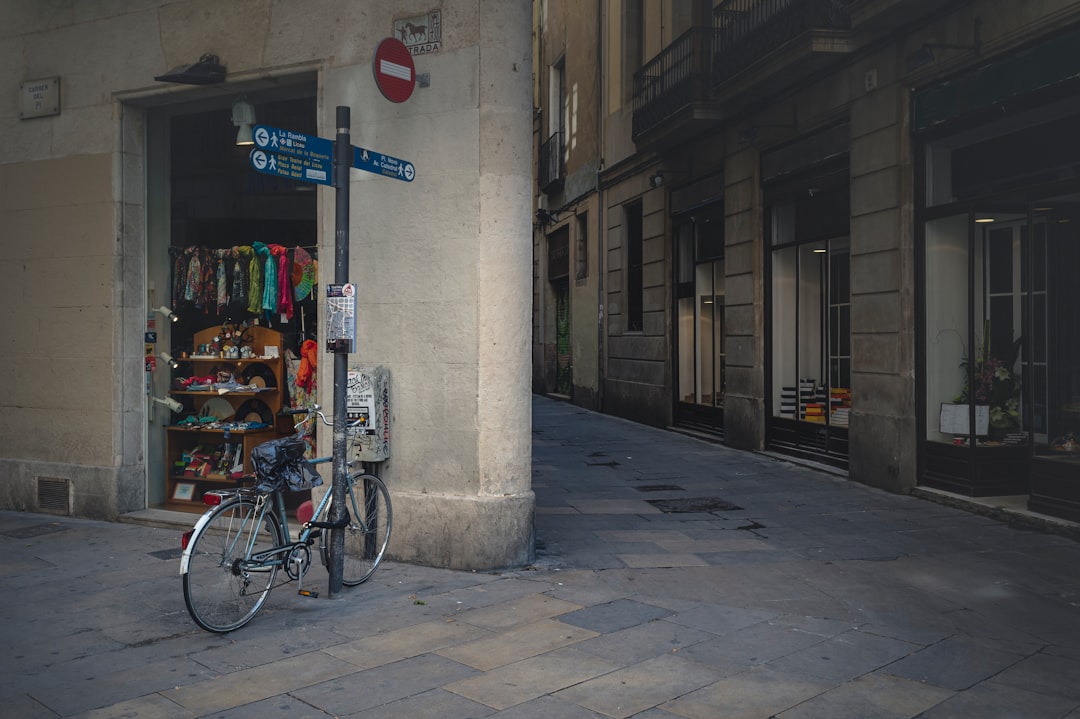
(368, 532)
(222, 589)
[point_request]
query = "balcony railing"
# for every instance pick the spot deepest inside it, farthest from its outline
(743, 32)
(677, 77)
(749, 29)
(551, 168)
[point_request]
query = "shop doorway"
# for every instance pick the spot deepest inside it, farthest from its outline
(232, 256)
(561, 378)
(564, 378)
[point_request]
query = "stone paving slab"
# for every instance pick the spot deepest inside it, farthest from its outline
(636, 688)
(515, 644)
(815, 597)
(507, 685)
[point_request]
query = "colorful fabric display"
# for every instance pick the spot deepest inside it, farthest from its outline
(282, 300)
(222, 286)
(239, 280)
(255, 271)
(303, 274)
(269, 295)
(309, 362)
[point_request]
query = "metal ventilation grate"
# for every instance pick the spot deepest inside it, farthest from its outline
(54, 495)
(692, 505)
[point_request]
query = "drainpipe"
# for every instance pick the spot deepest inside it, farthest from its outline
(601, 240)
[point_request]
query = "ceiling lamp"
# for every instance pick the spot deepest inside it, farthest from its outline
(207, 71)
(243, 116)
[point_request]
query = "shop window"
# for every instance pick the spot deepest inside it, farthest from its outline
(811, 335)
(1000, 284)
(699, 287)
(811, 310)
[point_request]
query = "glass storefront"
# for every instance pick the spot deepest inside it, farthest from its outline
(1001, 311)
(699, 303)
(810, 338)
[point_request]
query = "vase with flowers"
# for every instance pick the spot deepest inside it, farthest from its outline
(992, 382)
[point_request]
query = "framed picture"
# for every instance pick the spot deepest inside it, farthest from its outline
(184, 491)
(270, 351)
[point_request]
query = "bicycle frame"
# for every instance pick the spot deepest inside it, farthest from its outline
(271, 557)
(226, 594)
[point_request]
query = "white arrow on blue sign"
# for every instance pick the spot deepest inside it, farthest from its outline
(293, 154)
(384, 165)
(287, 142)
(293, 167)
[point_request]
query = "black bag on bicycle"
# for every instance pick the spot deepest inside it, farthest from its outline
(279, 464)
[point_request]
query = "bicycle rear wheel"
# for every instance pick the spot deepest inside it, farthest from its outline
(222, 592)
(368, 532)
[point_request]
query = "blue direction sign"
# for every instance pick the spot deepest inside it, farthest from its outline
(384, 165)
(293, 167)
(287, 142)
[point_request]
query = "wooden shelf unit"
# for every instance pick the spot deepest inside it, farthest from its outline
(185, 440)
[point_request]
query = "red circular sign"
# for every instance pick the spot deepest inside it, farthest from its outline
(394, 71)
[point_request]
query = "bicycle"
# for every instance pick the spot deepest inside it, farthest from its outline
(231, 557)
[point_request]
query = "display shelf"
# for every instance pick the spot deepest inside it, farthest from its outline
(184, 488)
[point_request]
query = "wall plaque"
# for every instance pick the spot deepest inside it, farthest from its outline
(39, 98)
(421, 34)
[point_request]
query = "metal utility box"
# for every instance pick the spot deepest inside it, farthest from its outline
(367, 397)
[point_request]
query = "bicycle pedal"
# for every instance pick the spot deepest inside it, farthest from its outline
(308, 593)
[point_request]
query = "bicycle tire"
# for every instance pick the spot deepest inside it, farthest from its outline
(368, 533)
(221, 596)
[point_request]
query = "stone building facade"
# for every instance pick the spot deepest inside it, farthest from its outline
(833, 229)
(106, 178)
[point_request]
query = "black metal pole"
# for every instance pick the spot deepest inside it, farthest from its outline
(342, 165)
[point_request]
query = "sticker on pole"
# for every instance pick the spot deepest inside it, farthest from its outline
(395, 73)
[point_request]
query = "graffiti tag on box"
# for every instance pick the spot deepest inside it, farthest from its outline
(359, 398)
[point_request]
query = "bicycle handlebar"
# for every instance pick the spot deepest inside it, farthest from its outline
(315, 410)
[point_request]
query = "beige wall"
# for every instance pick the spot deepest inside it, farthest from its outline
(568, 31)
(58, 220)
(440, 262)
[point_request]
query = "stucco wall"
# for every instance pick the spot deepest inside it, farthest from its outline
(442, 264)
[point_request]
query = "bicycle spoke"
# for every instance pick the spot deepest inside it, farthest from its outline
(368, 533)
(220, 591)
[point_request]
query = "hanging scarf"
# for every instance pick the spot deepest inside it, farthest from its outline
(309, 362)
(284, 276)
(222, 285)
(208, 280)
(255, 271)
(239, 276)
(269, 295)
(193, 278)
(179, 278)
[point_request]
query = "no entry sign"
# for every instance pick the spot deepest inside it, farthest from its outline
(395, 73)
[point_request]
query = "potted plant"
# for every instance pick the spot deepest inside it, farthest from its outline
(995, 385)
